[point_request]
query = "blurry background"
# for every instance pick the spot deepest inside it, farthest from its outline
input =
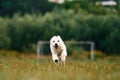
(24, 22)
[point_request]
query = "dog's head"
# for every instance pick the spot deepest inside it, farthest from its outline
(56, 41)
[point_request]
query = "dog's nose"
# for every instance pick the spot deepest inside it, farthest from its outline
(56, 44)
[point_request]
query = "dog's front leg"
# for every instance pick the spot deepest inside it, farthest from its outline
(55, 58)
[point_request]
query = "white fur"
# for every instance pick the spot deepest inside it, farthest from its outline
(58, 49)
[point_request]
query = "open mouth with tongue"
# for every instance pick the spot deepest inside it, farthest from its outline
(56, 46)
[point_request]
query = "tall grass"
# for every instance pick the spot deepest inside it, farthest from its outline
(45, 69)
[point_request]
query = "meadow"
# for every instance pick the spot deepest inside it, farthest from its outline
(30, 68)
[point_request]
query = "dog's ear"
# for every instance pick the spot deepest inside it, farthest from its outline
(52, 39)
(59, 36)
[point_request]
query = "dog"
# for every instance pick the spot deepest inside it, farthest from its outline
(58, 49)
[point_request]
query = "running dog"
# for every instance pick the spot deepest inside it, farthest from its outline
(58, 49)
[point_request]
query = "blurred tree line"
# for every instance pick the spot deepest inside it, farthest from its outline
(10, 7)
(22, 32)
(24, 22)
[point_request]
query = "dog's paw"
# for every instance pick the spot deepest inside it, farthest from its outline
(56, 61)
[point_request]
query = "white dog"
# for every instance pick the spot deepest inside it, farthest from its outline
(58, 49)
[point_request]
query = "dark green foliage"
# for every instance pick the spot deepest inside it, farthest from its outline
(22, 32)
(9, 7)
(4, 38)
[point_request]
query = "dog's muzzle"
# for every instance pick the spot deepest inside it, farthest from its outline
(56, 46)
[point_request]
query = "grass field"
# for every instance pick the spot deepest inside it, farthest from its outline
(44, 69)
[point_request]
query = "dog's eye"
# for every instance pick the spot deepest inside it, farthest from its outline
(53, 41)
(58, 41)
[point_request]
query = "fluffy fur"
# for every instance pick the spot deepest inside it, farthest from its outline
(58, 49)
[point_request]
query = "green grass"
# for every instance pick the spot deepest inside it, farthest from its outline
(45, 69)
